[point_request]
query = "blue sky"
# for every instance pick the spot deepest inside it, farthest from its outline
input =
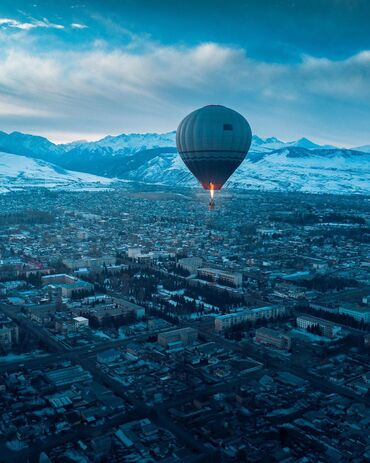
(82, 70)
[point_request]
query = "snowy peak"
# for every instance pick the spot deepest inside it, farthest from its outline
(305, 143)
(308, 144)
(273, 143)
(128, 142)
(121, 145)
(272, 140)
(256, 140)
(271, 164)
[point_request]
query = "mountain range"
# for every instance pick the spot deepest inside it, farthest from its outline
(271, 164)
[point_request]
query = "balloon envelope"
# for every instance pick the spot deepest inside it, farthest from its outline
(213, 141)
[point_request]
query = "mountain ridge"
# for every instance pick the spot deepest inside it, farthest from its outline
(271, 164)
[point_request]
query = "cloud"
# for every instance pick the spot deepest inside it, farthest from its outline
(10, 110)
(106, 90)
(78, 26)
(7, 22)
(32, 24)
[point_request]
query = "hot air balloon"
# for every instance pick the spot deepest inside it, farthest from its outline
(213, 141)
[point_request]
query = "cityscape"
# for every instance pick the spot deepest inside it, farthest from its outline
(184, 231)
(142, 326)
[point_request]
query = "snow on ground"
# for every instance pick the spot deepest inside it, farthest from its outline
(313, 174)
(311, 171)
(17, 172)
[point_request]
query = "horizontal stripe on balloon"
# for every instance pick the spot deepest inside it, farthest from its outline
(214, 151)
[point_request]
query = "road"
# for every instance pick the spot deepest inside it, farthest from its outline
(85, 357)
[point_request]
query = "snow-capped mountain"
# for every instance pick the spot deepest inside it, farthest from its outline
(19, 172)
(288, 169)
(271, 164)
(118, 146)
(314, 171)
(272, 143)
(124, 143)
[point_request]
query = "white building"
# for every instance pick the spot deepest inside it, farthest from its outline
(305, 321)
(81, 322)
(223, 322)
(358, 313)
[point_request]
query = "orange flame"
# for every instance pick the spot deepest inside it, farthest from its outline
(212, 189)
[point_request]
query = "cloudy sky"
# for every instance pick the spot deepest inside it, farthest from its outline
(71, 70)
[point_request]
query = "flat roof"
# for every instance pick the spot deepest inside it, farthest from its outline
(80, 319)
(315, 319)
(356, 309)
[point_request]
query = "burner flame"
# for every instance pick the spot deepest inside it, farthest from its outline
(212, 190)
